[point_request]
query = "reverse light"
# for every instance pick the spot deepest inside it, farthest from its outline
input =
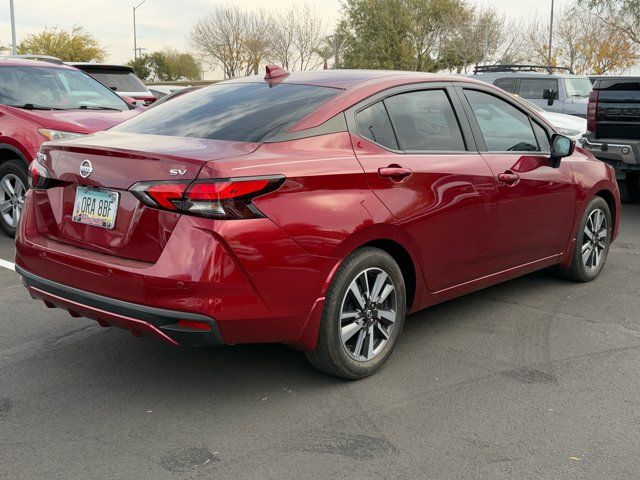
(53, 135)
(225, 199)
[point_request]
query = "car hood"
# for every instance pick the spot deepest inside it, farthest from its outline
(562, 120)
(80, 121)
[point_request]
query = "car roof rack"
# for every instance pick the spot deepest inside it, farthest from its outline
(508, 67)
(42, 58)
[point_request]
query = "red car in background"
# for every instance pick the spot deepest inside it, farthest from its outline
(42, 101)
(315, 209)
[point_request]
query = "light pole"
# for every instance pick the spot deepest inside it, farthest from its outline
(551, 33)
(135, 40)
(13, 28)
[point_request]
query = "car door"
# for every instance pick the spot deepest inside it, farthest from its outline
(535, 203)
(533, 90)
(421, 162)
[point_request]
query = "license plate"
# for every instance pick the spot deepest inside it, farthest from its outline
(95, 206)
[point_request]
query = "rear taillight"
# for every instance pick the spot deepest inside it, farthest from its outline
(38, 174)
(592, 111)
(227, 199)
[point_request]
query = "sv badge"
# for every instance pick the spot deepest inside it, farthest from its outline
(177, 171)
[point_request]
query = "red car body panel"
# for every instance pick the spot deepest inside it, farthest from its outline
(19, 127)
(265, 279)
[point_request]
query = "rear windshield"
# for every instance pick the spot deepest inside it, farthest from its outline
(243, 112)
(118, 80)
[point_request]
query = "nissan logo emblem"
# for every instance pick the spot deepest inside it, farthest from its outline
(85, 169)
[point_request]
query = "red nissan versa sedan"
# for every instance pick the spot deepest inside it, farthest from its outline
(315, 209)
(41, 101)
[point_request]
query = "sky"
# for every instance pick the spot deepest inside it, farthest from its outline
(166, 23)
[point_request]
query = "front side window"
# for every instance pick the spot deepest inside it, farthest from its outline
(241, 112)
(533, 88)
(578, 86)
(55, 88)
(425, 121)
(504, 127)
(374, 124)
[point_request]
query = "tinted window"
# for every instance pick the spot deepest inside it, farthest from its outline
(373, 123)
(55, 88)
(503, 126)
(244, 112)
(118, 81)
(425, 121)
(533, 88)
(508, 84)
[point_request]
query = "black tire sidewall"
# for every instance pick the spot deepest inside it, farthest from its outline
(15, 167)
(578, 269)
(331, 325)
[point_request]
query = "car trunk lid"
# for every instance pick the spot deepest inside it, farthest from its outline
(112, 162)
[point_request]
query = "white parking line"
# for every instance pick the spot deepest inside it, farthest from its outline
(7, 265)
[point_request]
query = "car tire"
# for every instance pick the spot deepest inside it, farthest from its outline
(13, 187)
(589, 255)
(363, 315)
(630, 189)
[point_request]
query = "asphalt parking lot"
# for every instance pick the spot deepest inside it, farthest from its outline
(537, 378)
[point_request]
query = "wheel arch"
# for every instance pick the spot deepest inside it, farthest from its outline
(392, 240)
(9, 152)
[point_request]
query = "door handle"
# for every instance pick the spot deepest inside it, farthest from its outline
(509, 177)
(395, 172)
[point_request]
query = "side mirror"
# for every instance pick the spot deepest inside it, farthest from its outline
(561, 147)
(549, 95)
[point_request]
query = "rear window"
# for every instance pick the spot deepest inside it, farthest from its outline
(243, 112)
(118, 80)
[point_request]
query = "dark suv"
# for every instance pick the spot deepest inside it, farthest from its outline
(613, 124)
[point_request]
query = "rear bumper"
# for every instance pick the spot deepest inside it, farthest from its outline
(108, 312)
(623, 155)
(257, 284)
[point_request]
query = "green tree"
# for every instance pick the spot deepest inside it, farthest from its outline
(377, 34)
(75, 45)
(167, 66)
(141, 67)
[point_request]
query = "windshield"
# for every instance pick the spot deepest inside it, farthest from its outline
(118, 80)
(51, 88)
(578, 86)
(243, 112)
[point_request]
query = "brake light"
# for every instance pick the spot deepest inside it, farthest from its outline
(227, 199)
(592, 111)
(39, 176)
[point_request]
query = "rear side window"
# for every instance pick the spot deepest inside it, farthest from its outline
(118, 80)
(504, 127)
(425, 121)
(243, 112)
(533, 88)
(507, 84)
(373, 124)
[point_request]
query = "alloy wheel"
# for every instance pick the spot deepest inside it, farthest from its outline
(594, 240)
(368, 314)
(12, 191)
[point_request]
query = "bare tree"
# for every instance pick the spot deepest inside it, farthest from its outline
(282, 40)
(309, 33)
(219, 38)
(256, 40)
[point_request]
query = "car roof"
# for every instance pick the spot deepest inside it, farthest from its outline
(23, 62)
(346, 79)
